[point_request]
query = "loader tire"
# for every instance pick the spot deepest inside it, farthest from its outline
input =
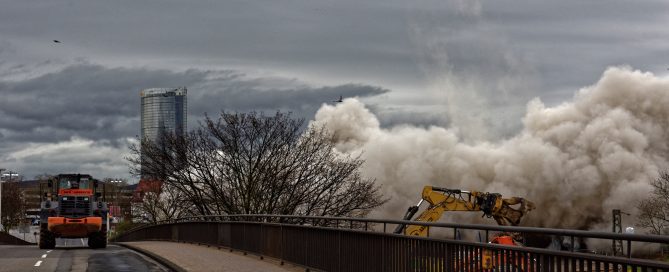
(97, 239)
(47, 239)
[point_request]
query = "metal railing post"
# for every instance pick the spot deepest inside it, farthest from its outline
(572, 243)
(282, 244)
(262, 241)
(383, 250)
(339, 251)
(244, 237)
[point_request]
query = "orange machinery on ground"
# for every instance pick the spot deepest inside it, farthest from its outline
(72, 208)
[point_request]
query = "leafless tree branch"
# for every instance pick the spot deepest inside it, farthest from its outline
(249, 163)
(654, 211)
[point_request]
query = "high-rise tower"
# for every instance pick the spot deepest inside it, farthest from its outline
(163, 111)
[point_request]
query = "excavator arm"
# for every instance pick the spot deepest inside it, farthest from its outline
(442, 200)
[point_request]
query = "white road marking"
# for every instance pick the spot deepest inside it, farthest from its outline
(38, 263)
(43, 256)
(48, 251)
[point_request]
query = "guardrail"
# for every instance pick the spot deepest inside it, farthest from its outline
(355, 244)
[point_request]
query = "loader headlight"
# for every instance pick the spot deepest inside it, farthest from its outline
(85, 198)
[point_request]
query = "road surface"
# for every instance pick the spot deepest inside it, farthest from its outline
(74, 255)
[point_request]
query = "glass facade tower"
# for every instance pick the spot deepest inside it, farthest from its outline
(163, 111)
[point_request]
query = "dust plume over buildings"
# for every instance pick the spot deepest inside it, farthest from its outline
(577, 161)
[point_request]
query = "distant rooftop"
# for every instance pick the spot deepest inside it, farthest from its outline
(163, 91)
(36, 182)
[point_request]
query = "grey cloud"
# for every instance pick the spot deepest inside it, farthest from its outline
(86, 100)
(99, 104)
(568, 42)
(96, 102)
(303, 102)
(425, 116)
(349, 37)
(512, 49)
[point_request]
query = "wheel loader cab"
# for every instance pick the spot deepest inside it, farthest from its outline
(73, 184)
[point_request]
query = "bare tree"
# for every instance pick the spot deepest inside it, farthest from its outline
(654, 211)
(13, 212)
(249, 163)
(159, 201)
(147, 210)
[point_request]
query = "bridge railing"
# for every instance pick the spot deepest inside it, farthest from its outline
(356, 244)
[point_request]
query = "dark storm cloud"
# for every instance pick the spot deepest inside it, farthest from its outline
(87, 100)
(568, 43)
(239, 95)
(79, 119)
(95, 102)
(266, 33)
(501, 52)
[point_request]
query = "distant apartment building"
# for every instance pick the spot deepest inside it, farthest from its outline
(163, 111)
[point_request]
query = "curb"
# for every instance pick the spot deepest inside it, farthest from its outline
(9, 239)
(165, 262)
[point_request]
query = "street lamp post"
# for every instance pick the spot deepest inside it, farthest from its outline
(1, 169)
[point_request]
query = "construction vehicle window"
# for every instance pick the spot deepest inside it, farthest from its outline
(64, 184)
(73, 184)
(84, 184)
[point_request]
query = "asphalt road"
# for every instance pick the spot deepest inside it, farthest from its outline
(74, 255)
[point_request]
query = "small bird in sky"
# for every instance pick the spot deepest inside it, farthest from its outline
(56, 41)
(341, 98)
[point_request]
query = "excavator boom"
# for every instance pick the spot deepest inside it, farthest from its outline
(442, 200)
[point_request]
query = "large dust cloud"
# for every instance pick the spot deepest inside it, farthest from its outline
(576, 161)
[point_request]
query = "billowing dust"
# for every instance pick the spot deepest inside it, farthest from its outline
(576, 161)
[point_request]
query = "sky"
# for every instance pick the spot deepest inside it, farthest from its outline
(74, 106)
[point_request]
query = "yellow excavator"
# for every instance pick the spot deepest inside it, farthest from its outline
(442, 200)
(491, 204)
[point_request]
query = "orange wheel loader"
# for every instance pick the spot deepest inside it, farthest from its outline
(72, 207)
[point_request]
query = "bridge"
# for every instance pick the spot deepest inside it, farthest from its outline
(353, 244)
(298, 243)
